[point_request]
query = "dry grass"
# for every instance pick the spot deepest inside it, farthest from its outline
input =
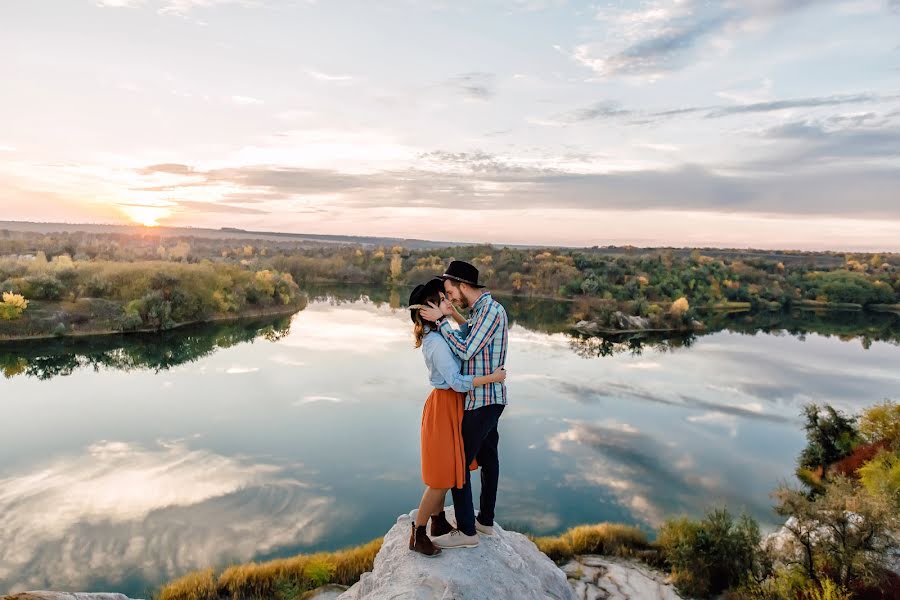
(199, 585)
(282, 578)
(610, 539)
(289, 578)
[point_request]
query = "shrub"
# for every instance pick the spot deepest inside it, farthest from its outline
(844, 534)
(679, 307)
(43, 287)
(881, 423)
(881, 477)
(709, 556)
(13, 306)
(850, 465)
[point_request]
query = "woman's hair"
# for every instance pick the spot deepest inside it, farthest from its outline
(422, 326)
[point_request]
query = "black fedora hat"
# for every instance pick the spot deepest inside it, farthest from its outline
(432, 287)
(462, 271)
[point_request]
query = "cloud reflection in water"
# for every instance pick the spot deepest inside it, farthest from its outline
(119, 509)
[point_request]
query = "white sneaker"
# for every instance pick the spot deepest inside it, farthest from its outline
(456, 539)
(487, 530)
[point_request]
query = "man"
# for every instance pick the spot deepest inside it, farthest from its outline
(481, 343)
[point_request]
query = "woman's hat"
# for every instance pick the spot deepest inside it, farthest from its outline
(417, 298)
(462, 271)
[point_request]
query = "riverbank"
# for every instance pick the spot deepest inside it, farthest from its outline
(80, 330)
(294, 577)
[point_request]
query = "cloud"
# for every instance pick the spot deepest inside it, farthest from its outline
(652, 55)
(245, 100)
(603, 109)
(178, 8)
(659, 37)
(214, 207)
(475, 85)
(169, 168)
(120, 3)
(480, 180)
(820, 142)
(609, 109)
(760, 107)
(327, 77)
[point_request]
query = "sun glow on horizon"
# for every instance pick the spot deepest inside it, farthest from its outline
(148, 216)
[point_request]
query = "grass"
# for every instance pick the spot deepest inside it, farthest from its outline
(291, 578)
(282, 578)
(610, 539)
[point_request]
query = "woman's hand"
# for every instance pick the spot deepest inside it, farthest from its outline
(499, 375)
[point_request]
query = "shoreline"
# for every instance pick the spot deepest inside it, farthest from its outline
(103, 332)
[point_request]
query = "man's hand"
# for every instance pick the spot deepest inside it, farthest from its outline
(432, 313)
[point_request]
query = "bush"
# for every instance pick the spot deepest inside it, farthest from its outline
(844, 534)
(710, 556)
(881, 477)
(881, 423)
(43, 287)
(12, 306)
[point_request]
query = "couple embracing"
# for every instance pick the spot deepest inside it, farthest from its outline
(459, 422)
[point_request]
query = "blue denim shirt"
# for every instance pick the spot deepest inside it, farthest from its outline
(443, 366)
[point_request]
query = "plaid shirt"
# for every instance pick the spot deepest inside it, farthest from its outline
(481, 344)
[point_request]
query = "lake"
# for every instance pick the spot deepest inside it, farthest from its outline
(126, 461)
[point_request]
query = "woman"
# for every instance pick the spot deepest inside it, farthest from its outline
(443, 454)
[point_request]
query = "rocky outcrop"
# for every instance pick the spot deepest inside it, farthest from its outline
(506, 565)
(45, 595)
(602, 577)
(618, 321)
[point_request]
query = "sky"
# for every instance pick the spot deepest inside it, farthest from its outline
(741, 123)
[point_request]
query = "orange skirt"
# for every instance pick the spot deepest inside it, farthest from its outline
(443, 452)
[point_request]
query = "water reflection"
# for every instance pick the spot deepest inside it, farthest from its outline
(159, 454)
(118, 510)
(45, 359)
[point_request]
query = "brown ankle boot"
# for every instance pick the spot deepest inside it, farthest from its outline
(422, 543)
(412, 537)
(439, 525)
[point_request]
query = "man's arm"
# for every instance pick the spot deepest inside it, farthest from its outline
(466, 346)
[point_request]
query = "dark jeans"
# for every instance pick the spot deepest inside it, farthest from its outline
(480, 438)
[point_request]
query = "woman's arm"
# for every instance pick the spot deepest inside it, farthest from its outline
(441, 359)
(495, 377)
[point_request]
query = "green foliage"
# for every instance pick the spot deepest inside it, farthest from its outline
(848, 286)
(714, 554)
(43, 286)
(830, 436)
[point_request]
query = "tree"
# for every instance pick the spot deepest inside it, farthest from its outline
(845, 534)
(830, 436)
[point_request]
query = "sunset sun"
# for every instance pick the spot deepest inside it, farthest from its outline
(148, 216)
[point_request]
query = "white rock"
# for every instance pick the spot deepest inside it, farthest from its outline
(506, 565)
(47, 595)
(602, 577)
